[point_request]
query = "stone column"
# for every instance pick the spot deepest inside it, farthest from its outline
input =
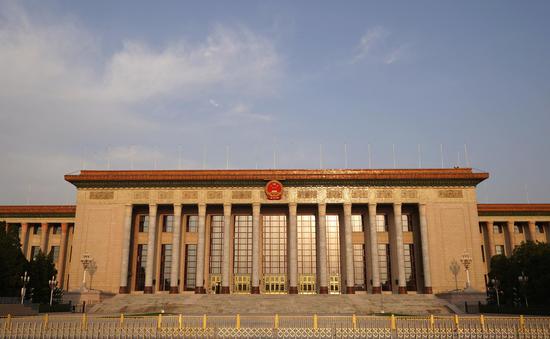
(425, 249)
(24, 237)
(292, 249)
(176, 251)
(151, 241)
(322, 248)
(44, 238)
(199, 287)
(373, 244)
(125, 256)
(226, 260)
(398, 224)
(255, 288)
(532, 231)
(350, 276)
(62, 254)
(490, 241)
(510, 229)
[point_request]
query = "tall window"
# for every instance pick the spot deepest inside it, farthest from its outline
(190, 266)
(381, 223)
(540, 228)
(384, 263)
(216, 244)
(140, 266)
(143, 223)
(36, 229)
(274, 244)
(518, 228)
(333, 245)
(167, 223)
(34, 251)
(497, 228)
(357, 223)
(165, 267)
(410, 266)
(359, 266)
(242, 260)
(56, 229)
(307, 262)
(55, 253)
(499, 249)
(192, 223)
(406, 223)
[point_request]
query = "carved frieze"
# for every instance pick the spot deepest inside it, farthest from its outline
(450, 193)
(141, 195)
(307, 194)
(360, 194)
(164, 195)
(241, 195)
(102, 195)
(384, 194)
(190, 195)
(409, 194)
(213, 195)
(334, 194)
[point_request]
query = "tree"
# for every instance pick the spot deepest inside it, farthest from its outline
(533, 260)
(42, 269)
(12, 262)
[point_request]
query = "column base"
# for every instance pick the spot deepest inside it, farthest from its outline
(123, 290)
(376, 290)
(323, 290)
(224, 290)
(200, 290)
(402, 290)
(428, 290)
(174, 290)
(350, 289)
(293, 290)
(148, 290)
(255, 290)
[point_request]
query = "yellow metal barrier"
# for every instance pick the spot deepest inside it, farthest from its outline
(204, 322)
(46, 321)
(482, 322)
(180, 321)
(121, 319)
(354, 321)
(159, 321)
(276, 321)
(238, 322)
(315, 324)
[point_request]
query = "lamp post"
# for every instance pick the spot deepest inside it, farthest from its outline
(523, 282)
(466, 260)
(496, 284)
(25, 280)
(86, 262)
(53, 284)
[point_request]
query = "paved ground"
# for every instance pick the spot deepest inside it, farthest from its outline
(271, 304)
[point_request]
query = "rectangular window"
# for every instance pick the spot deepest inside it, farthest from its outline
(34, 251)
(406, 223)
(410, 266)
(190, 266)
(56, 229)
(518, 228)
(165, 267)
(333, 253)
(307, 259)
(540, 228)
(359, 262)
(482, 253)
(192, 223)
(36, 229)
(167, 223)
(274, 245)
(55, 253)
(381, 223)
(480, 228)
(499, 250)
(143, 223)
(141, 262)
(384, 262)
(216, 244)
(357, 223)
(497, 228)
(242, 245)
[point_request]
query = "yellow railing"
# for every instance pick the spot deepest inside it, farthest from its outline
(50, 326)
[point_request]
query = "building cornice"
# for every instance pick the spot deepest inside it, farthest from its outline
(513, 209)
(37, 211)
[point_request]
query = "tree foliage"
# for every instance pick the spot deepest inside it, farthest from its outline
(42, 269)
(12, 262)
(531, 259)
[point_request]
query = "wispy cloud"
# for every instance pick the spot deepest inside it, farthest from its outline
(368, 42)
(396, 54)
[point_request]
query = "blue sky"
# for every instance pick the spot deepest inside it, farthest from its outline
(175, 84)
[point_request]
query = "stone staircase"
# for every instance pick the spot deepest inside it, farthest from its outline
(195, 304)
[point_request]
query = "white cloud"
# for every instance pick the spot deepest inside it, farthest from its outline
(368, 41)
(62, 93)
(396, 54)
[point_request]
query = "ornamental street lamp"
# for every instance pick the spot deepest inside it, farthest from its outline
(53, 284)
(86, 262)
(523, 283)
(25, 280)
(466, 261)
(496, 284)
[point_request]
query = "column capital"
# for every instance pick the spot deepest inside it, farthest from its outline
(227, 208)
(292, 204)
(372, 203)
(398, 203)
(177, 209)
(256, 204)
(322, 208)
(153, 208)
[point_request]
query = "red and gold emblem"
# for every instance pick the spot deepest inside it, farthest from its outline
(274, 190)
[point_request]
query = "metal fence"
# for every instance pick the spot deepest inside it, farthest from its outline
(276, 326)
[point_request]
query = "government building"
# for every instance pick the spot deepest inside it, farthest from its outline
(275, 231)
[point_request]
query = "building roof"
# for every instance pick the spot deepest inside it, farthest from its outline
(513, 209)
(449, 176)
(38, 211)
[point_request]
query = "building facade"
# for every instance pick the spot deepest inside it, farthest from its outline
(275, 231)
